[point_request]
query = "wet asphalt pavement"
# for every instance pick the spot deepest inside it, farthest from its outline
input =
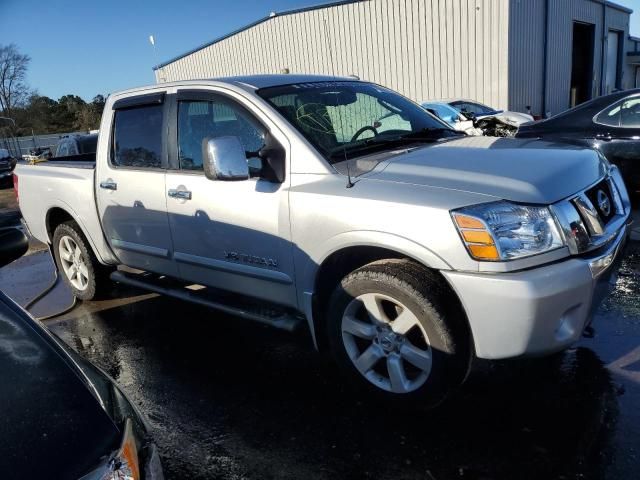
(228, 398)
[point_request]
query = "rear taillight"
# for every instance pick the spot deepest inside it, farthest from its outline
(15, 187)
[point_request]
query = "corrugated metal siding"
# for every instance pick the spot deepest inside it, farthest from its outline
(526, 55)
(526, 52)
(425, 49)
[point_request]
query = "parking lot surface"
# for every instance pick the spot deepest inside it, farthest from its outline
(227, 398)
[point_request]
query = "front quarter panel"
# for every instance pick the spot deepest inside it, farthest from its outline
(413, 220)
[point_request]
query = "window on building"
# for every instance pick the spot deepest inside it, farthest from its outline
(614, 54)
(200, 120)
(137, 137)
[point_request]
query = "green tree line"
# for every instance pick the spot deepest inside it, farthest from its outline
(43, 115)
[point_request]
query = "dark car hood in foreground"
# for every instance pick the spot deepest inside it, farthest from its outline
(52, 425)
(529, 171)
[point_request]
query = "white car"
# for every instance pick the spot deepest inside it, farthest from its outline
(479, 110)
(452, 117)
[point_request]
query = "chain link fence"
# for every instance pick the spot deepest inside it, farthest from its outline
(19, 146)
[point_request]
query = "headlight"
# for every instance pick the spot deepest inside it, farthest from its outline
(506, 231)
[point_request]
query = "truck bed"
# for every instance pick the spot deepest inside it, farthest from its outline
(85, 160)
(64, 185)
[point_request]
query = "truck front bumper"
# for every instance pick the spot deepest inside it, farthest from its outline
(538, 311)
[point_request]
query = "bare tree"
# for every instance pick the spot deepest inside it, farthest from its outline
(14, 90)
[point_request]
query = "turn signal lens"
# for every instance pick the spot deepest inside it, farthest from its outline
(477, 239)
(477, 236)
(484, 252)
(464, 221)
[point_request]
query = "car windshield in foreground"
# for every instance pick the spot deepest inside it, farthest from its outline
(344, 120)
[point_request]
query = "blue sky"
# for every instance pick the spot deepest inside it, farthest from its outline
(85, 47)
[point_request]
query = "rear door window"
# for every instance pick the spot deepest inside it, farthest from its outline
(137, 137)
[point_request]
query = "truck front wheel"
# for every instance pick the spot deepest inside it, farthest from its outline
(392, 328)
(76, 262)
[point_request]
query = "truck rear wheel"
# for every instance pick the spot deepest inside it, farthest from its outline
(392, 329)
(77, 263)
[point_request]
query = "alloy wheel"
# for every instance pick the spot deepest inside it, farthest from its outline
(73, 263)
(386, 343)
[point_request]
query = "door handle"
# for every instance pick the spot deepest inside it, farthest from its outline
(181, 194)
(109, 185)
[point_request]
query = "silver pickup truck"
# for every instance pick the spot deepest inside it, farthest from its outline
(407, 249)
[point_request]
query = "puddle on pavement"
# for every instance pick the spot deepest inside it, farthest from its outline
(29, 276)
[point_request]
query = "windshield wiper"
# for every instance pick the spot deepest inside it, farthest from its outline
(427, 135)
(430, 132)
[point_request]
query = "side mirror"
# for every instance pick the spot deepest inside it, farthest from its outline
(13, 244)
(224, 159)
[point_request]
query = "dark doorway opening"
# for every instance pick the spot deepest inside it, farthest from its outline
(582, 63)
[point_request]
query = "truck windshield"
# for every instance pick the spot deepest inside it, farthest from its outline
(344, 120)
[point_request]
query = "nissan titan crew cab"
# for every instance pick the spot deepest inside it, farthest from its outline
(407, 248)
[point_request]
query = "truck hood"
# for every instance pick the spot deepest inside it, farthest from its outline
(528, 171)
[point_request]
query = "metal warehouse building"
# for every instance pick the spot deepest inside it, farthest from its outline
(547, 54)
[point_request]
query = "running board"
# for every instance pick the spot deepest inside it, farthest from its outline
(269, 314)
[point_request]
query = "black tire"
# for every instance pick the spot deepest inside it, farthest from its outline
(97, 274)
(440, 317)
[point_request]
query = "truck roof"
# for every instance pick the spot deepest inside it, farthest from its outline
(250, 82)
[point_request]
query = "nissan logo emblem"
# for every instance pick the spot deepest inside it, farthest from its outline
(604, 204)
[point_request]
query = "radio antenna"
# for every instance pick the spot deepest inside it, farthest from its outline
(328, 42)
(350, 183)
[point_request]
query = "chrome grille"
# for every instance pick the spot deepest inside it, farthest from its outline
(593, 217)
(597, 206)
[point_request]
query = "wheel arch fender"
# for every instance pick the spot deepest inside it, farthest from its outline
(360, 247)
(60, 212)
